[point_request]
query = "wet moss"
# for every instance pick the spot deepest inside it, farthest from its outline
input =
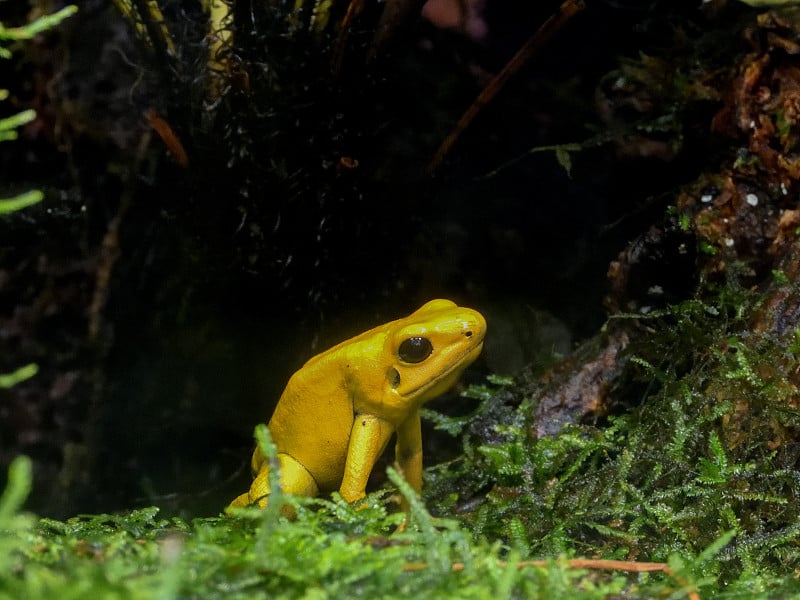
(708, 448)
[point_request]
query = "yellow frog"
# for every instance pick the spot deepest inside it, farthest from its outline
(338, 412)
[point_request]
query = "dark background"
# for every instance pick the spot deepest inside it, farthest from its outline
(226, 275)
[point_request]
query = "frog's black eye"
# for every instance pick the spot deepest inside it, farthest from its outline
(415, 349)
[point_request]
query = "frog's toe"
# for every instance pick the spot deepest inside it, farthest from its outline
(239, 502)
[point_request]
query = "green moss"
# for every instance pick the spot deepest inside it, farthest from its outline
(330, 550)
(706, 456)
(699, 473)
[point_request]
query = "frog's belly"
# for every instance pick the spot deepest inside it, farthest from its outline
(316, 439)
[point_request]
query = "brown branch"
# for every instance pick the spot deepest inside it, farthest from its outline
(109, 248)
(575, 563)
(534, 43)
(168, 136)
(353, 10)
(582, 563)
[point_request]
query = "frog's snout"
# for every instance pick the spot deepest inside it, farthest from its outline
(474, 327)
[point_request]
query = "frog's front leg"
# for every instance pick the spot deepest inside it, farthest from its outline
(294, 479)
(408, 451)
(368, 439)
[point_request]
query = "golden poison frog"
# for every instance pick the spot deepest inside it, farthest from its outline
(338, 412)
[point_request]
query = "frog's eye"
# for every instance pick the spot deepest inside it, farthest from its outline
(415, 349)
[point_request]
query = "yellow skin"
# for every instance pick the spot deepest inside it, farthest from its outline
(338, 412)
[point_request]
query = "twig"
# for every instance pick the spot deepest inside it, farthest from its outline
(109, 248)
(168, 136)
(534, 43)
(353, 10)
(582, 563)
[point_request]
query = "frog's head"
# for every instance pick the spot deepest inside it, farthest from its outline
(430, 348)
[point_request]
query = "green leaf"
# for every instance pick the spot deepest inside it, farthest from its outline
(715, 547)
(21, 374)
(564, 159)
(452, 425)
(37, 26)
(17, 490)
(17, 120)
(9, 205)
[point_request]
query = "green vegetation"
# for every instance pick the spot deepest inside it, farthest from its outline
(330, 550)
(9, 125)
(695, 476)
(706, 456)
(35, 27)
(8, 132)
(698, 469)
(8, 380)
(699, 473)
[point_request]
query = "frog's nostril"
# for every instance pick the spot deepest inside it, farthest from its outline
(468, 333)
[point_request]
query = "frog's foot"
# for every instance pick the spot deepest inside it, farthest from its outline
(242, 500)
(294, 479)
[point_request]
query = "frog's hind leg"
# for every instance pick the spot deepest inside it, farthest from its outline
(294, 479)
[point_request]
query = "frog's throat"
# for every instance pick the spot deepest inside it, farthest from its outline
(461, 361)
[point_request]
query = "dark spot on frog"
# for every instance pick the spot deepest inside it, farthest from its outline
(407, 454)
(394, 377)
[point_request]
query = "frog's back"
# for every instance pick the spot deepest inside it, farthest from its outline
(314, 416)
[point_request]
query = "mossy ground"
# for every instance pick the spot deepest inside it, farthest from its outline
(330, 550)
(707, 452)
(697, 470)
(699, 475)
